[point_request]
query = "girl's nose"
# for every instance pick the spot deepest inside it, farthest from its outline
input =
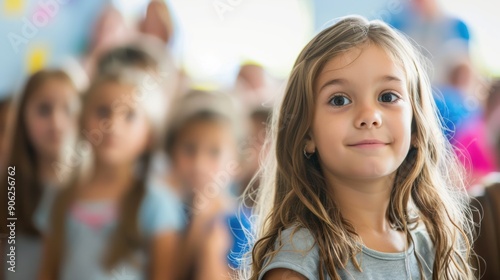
(368, 117)
(58, 119)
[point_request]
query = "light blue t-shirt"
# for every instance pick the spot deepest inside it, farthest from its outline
(28, 251)
(89, 226)
(300, 253)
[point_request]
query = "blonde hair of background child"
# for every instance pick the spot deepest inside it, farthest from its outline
(428, 188)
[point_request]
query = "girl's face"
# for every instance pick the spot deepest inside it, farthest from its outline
(362, 121)
(51, 117)
(203, 155)
(115, 124)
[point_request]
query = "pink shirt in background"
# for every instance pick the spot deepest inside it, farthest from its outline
(473, 150)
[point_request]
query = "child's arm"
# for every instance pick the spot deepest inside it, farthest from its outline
(213, 262)
(297, 258)
(283, 274)
(163, 259)
(162, 221)
(191, 240)
(46, 271)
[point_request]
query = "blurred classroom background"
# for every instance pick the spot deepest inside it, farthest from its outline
(209, 73)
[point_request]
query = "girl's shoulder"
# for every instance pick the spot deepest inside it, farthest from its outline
(300, 238)
(161, 210)
(295, 249)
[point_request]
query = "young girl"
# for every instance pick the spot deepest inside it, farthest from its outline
(202, 145)
(362, 183)
(110, 222)
(44, 126)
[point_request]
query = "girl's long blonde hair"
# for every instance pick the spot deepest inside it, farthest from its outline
(293, 191)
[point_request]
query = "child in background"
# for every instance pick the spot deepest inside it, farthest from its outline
(487, 244)
(111, 222)
(154, 59)
(45, 123)
(361, 182)
(474, 143)
(248, 182)
(202, 145)
(259, 125)
(492, 116)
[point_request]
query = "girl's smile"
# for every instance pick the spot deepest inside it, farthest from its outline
(369, 144)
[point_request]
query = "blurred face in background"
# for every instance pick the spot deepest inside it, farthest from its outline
(258, 134)
(116, 125)
(203, 154)
(51, 117)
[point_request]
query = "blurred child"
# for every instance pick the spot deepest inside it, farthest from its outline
(493, 120)
(259, 120)
(202, 144)
(474, 143)
(479, 144)
(253, 150)
(454, 98)
(154, 59)
(111, 221)
(360, 182)
(45, 123)
(487, 244)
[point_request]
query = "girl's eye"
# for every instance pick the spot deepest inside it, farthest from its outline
(214, 152)
(131, 115)
(388, 97)
(103, 112)
(44, 109)
(340, 100)
(188, 149)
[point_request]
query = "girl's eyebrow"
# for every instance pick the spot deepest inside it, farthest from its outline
(340, 81)
(389, 78)
(334, 82)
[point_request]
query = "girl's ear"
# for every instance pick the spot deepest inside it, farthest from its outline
(414, 140)
(310, 146)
